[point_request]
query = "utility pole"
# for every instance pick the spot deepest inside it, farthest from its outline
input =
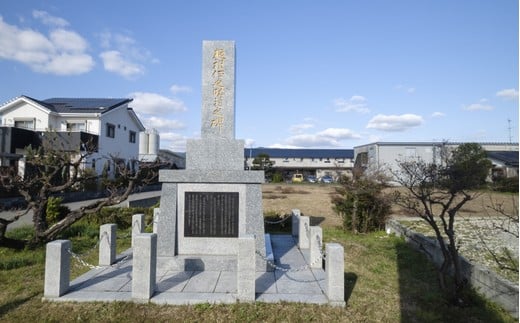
(509, 129)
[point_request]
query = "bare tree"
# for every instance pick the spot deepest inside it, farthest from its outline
(51, 169)
(436, 193)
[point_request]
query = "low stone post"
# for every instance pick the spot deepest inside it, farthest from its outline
(246, 269)
(303, 232)
(156, 215)
(57, 268)
(335, 271)
(144, 266)
(315, 247)
(107, 244)
(295, 220)
(137, 226)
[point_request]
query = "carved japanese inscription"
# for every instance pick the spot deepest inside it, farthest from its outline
(211, 214)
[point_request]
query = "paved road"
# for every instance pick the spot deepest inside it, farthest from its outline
(27, 219)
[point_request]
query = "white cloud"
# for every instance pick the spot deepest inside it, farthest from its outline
(173, 141)
(283, 146)
(162, 124)
(509, 94)
(153, 103)
(49, 20)
(123, 55)
(300, 128)
(482, 105)
(356, 103)
(395, 122)
(176, 89)
(114, 62)
(438, 114)
(68, 41)
(405, 88)
(63, 52)
(330, 137)
(249, 142)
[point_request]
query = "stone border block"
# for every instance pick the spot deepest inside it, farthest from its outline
(295, 220)
(57, 268)
(315, 256)
(156, 215)
(303, 232)
(334, 272)
(137, 226)
(246, 273)
(144, 266)
(107, 244)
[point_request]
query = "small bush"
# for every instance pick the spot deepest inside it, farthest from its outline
(55, 211)
(361, 204)
(120, 216)
(506, 184)
(277, 177)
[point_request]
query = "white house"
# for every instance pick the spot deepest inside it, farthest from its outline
(110, 122)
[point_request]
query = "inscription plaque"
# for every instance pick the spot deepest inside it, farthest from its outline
(211, 214)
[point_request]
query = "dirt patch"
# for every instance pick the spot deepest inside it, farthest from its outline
(313, 200)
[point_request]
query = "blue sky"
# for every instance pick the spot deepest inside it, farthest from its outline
(320, 74)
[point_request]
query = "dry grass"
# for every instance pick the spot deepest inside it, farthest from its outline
(311, 199)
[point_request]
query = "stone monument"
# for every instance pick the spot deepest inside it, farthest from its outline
(206, 207)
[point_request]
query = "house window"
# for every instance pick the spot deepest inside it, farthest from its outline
(27, 124)
(111, 130)
(132, 137)
(75, 126)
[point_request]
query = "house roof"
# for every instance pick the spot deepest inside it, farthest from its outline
(81, 105)
(299, 153)
(509, 158)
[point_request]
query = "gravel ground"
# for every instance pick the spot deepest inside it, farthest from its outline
(478, 237)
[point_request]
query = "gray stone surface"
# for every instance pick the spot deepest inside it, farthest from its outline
(210, 286)
(246, 269)
(144, 266)
(218, 89)
(227, 282)
(303, 232)
(107, 244)
(208, 176)
(215, 154)
(335, 271)
(315, 247)
(295, 221)
(156, 215)
(57, 268)
(167, 226)
(137, 226)
(202, 282)
(174, 281)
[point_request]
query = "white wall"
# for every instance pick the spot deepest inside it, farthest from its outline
(25, 111)
(119, 146)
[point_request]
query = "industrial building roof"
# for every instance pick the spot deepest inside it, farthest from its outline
(299, 153)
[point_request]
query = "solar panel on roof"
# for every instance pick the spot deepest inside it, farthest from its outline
(72, 104)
